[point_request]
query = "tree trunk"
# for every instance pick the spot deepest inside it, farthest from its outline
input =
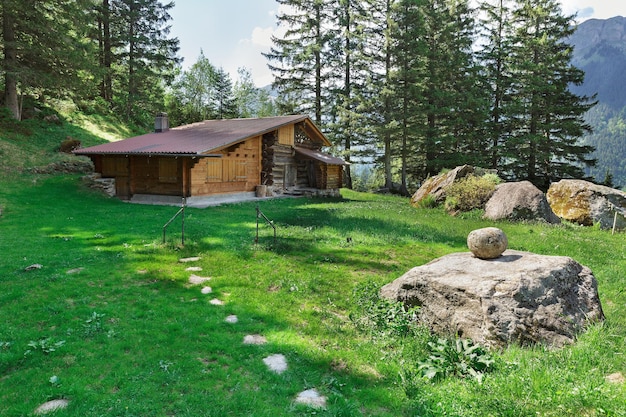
(10, 63)
(106, 87)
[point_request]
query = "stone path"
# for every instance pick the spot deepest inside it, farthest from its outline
(276, 363)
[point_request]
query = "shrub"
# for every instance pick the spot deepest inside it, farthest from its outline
(69, 144)
(470, 193)
(428, 201)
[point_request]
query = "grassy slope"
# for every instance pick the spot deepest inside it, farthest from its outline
(157, 347)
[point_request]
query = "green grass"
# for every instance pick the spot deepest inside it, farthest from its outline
(139, 341)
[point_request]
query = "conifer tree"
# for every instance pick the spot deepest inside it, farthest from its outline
(298, 59)
(494, 54)
(225, 105)
(44, 49)
(548, 117)
(144, 55)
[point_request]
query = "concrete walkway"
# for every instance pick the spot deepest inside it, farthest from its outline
(199, 202)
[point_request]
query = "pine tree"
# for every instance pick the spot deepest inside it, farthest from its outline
(145, 54)
(377, 98)
(453, 105)
(225, 105)
(408, 52)
(548, 117)
(298, 58)
(45, 49)
(349, 60)
(494, 55)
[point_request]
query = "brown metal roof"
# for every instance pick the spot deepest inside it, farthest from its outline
(320, 156)
(198, 138)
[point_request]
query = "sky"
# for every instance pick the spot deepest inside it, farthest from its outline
(234, 33)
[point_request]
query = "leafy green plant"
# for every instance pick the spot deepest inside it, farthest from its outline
(93, 325)
(46, 345)
(471, 192)
(460, 357)
(377, 314)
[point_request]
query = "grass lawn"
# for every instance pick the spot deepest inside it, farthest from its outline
(111, 323)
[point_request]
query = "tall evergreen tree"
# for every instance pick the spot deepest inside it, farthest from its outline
(225, 105)
(377, 99)
(348, 58)
(44, 49)
(494, 54)
(453, 105)
(298, 59)
(548, 116)
(145, 56)
(409, 67)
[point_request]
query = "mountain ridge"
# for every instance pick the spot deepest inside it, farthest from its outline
(600, 51)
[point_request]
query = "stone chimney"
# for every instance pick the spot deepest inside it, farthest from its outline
(161, 123)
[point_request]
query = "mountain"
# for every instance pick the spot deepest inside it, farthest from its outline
(600, 51)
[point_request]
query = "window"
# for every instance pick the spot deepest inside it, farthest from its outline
(168, 170)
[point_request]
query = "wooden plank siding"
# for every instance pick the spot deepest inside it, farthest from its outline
(237, 170)
(286, 135)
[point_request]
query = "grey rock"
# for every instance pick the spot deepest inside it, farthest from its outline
(487, 243)
(519, 201)
(312, 398)
(51, 406)
(436, 186)
(519, 297)
(276, 363)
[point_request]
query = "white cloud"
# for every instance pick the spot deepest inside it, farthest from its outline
(262, 36)
(598, 9)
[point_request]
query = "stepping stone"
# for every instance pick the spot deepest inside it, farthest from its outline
(276, 363)
(33, 267)
(254, 339)
(194, 269)
(216, 302)
(206, 290)
(51, 406)
(311, 398)
(75, 271)
(192, 259)
(231, 319)
(196, 280)
(616, 378)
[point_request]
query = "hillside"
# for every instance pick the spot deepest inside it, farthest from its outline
(600, 50)
(34, 144)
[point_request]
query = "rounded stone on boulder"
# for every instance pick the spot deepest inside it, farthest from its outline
(487, 243)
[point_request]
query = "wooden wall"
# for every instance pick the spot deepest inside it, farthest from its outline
(238, 170)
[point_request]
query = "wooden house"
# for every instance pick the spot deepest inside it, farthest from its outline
(216, 157)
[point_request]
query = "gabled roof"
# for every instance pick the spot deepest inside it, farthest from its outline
(202, 138)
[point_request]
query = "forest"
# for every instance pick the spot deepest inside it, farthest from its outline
(410, 87)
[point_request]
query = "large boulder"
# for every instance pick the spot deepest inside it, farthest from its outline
(586, 203)
(519, 297)
(436, 186)
(519, 201)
